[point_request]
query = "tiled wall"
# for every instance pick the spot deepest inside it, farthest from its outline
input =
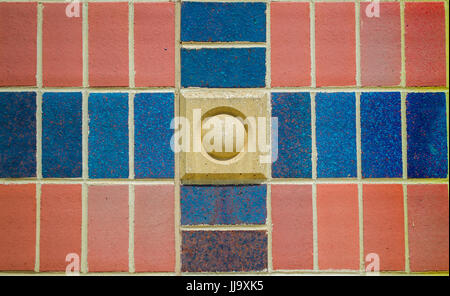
(86, 165)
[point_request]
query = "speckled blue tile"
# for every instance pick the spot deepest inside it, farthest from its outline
(108, 135)
(153, 157)
(222, 251)
(381, 135)
(427, 135)
(61, 135)
(336, 135)
(223, 22)
(17, 134)
(220, 205)
(293, 111)
(223, 67)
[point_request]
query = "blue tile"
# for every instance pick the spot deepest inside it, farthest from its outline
(381, 135)
(61, 135)
(218, 205)
(108, 135)
(293, 111)
(427, 135)
(153, 157)
(336, 135)
(223, 22)
(223, 67)
(17, 134)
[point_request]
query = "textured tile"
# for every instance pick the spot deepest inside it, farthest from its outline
(336, 135)
(17, 226)
(62, 46)
(108, 228)
(223, 67)
(292, 234)
(154, 228)
(223, 22)
(428, 227)
(289, 44)
(381, 46)
(18, 31)
(427, 135)
(60, 228)
(293, 111)
(384, 224)
(61, 135)
(335, 44)
(425, 44)
(381, 135)
(154, 44)
(217, 251)
(17, 134)
(108, 135)
(217, 205)
(153, 156)
(108, 44)
(338, 226)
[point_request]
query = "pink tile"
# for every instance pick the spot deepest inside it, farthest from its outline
(425, 44)
(292, 235)
(108, 228)
(335, 44)
(381, 46)
(428, 227)
(154, 238)
(108, 44)
(154, 44)
(290, 44)
(62, 48)
(18, 23)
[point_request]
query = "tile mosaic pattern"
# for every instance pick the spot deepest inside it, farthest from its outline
(362, 163)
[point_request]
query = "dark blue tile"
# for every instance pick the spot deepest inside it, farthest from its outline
(153, 156)
(427, 135)
(61, 135)
(108, 135)
(17, 134)
(223, 67)
(219, 205)
(293, 111)
(223, 22)
(336, 135)
(381, 135)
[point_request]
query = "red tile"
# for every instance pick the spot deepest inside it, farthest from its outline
(428, 227)
(381, 46)
(154, 44)
(17, 227)
(292, 235)
(108, 228)
(335, 44)
(18, 23)
(425, 44)
(154, 238)
(338, 226)
(290, 44)
(108, 44)
(62, 48)
(384, 225)
(60, 225)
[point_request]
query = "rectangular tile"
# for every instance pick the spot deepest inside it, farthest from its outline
(153, 156)
(223, 22)
(223, 67)
(108, 135)
(61, 135)
(222, 251)
(293, 111)
(223, 205)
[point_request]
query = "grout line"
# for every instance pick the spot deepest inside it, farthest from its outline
(85, 32)
(361, 227)
(131, 136)
(402, 44)
(404, 136)
(447, 43)
(312, 28)
(360, 186)
(315, 230)
(358, 41)
(314, 185)
(131, 74)
(84, 228)
(405, 214)
(131, 209)
(38, 227)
